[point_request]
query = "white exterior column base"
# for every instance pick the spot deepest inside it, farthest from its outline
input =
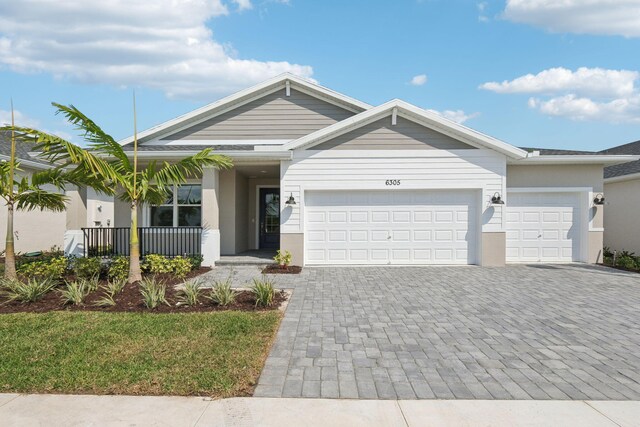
(210, 247)
(74, 243)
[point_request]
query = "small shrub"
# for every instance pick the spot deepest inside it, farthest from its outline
(283, 258)
(264, 291)
(110, 291)
(54, 269)
(155, 264)
(222, 294)
(118, 269)
(153, 292)
(196, 261)
(191, 293)
(87, 268)
(606, 252)
(30, 291)
(626, 261)
(75, 292)
(180, 266)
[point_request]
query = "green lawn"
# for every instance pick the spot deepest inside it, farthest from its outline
(214, 354)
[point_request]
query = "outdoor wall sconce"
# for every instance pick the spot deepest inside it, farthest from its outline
(497, 199)
(290, 201)
(599, 199)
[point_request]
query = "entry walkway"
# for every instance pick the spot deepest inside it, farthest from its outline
(69, 410)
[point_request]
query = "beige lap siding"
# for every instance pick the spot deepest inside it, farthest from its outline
(274, 116)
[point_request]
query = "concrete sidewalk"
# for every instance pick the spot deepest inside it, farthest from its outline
(70, 410)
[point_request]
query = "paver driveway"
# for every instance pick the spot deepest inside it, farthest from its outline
(520, 332)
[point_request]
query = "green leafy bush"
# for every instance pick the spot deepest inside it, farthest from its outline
(283, 258)
(196, 261)
(53, 269)
(222, 294)
(30, 291)
(264, 291)
(86, 268)
(191, 293)
(118, 268)
(626, 261)
(153, 293)
(155, 264)
(180, 266)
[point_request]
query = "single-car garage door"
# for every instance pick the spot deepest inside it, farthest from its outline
(390, 227)
(543, 227)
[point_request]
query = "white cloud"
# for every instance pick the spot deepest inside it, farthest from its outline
(162, 45)
(243, 4)
(419, 80)
(606, 17)
(584, 94)
(587, 81)
(20, 119)
(458, 116)
(482, 7)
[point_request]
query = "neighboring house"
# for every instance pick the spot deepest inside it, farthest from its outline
(41, 230)
(337, 181)
(35, 230)
(622, 194)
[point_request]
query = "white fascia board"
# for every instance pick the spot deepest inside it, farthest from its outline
(584, 159)
(246, 95)
(248, 155)
(428, 119)
(622, 178)
(29, 163)
(209, 142)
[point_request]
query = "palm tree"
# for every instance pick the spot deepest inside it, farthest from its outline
(26, 193)
(107, 162)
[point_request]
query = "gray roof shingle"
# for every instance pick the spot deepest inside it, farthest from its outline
(22, 149)
(624, 168)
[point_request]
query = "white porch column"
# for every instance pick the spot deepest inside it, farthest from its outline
(76, 220)
(210, 216)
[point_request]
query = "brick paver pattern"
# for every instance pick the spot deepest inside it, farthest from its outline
(519, 332)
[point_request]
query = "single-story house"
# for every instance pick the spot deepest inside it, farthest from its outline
(622, 194)
(337, 181)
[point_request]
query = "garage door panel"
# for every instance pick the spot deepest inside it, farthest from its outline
(543, 227)
(391, 227)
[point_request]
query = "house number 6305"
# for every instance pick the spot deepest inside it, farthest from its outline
(392, 182)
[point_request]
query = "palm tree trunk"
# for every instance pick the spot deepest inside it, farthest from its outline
(10, 253)
(135, 274)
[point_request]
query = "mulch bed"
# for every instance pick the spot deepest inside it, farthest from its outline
(618, 267)
(129, 300)
(276, 269)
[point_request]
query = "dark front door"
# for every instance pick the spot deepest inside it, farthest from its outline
(269, 218)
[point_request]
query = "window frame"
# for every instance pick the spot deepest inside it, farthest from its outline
(175, 206)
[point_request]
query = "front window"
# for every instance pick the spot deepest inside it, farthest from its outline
(182, 208)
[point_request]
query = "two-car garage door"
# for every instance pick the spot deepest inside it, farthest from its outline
(391, 227)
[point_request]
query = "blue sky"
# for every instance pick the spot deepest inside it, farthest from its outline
(533, 73)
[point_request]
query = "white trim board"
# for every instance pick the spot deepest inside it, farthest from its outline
(209, 142)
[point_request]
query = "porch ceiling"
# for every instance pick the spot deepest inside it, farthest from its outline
(259, 170)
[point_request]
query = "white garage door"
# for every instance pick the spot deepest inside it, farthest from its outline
(390, 227)
(543, 227)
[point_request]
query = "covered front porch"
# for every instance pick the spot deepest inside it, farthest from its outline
(225, 212)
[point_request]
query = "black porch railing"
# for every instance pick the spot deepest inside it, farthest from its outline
(167, 241)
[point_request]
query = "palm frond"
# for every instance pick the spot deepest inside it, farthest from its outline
(190, 167)
(37, 198)
(99, 141)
